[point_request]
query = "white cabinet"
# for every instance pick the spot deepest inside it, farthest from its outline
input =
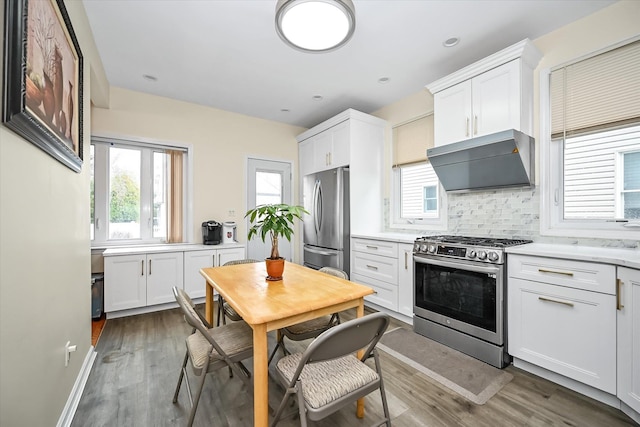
(375, 263)
(352, 139)
(138, 280)
(405, 279)
(194, 283)
(326, 150)
(489, 96)
(629, 338)
(562, 317)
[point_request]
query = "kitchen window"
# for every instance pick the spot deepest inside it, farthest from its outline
(418, 198)
(592, 185)
(137, 192)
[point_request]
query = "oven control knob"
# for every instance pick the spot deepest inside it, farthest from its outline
(423, 247)
(416, 247)
(482, 255)
(472, 254)
(493, 256)
(432, 249)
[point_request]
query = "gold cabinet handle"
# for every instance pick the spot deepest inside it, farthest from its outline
(467, 128)
(475, 125)
(557, 301)
(564, 273)
(373, 267)
(372, 247)
(619, 284)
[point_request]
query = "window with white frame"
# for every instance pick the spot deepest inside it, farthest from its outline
(137, 192)
(417, 196)
(593, 154)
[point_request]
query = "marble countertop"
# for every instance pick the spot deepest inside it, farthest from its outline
(391, 237)
(622, 257)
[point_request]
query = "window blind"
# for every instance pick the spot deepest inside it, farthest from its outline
(411, 140)
(596, 93)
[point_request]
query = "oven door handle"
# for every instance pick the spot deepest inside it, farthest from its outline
(476, 267)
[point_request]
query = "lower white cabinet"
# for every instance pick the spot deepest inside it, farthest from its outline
(144, 276)
(405, 279)
(138, 280)
(375, 263)
(194, 283)
(629, 337)
(558, 326)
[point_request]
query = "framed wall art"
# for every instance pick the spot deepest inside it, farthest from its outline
(42, 87)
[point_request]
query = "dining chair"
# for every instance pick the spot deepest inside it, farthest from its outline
(224, 309)
(210, 349)
(311, 328)
(327, 376)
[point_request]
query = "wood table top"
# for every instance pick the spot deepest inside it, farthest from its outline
(301, 291)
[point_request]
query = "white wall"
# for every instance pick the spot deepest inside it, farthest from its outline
(45, 290)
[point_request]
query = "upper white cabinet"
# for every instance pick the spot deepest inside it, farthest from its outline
(352, 139)
(489, 96)
(326, 150)
(628, 305)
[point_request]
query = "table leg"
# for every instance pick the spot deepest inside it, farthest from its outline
(260, 377)
(208, 303)
(360, 403)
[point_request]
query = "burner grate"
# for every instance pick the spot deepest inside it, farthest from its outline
(475, 241)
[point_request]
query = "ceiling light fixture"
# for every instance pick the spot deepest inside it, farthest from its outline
(315, 26)
(451, 42)
(383, 80)
(317, 97)
(150, 77)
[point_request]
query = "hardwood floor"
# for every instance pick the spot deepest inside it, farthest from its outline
(139, 358)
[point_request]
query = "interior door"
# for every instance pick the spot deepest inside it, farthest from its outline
(268, 182)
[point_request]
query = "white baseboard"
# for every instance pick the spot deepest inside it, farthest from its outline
(78, 388)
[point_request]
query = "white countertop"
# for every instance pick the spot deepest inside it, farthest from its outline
(622, 257)
(391, 237)
(174, 247)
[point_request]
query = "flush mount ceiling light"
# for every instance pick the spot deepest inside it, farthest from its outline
(315, 25)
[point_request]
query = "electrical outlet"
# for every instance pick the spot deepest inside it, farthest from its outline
(232, 213)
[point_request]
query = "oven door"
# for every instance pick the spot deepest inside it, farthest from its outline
(466, 296)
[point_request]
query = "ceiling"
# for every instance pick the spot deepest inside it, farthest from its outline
(226, 53)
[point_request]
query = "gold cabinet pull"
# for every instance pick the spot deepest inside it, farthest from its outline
(373, 267)
(557, 301)
(619, 284)
(467, 129)
(564, 273)
(475, 125)
(372, 247)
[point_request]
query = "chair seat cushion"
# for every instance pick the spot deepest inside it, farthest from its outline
(233, 338)
(324, 382)
(314, 325)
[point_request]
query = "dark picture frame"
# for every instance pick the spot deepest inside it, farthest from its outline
(43, 84)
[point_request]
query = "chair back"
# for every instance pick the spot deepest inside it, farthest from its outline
(335, 272)
(241, 261)
(347, 338)
(188, 310)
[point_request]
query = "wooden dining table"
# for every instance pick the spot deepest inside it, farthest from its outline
(301, 295)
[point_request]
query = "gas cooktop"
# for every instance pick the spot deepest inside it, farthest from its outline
(474, 241)
(480, 249)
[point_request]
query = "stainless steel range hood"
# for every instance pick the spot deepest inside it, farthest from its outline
(503, 159)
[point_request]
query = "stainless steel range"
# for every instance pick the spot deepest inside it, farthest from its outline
(460, 294)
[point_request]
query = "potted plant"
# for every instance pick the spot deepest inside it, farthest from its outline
(276, 220)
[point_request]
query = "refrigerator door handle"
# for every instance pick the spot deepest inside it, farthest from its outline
(320, 252)
(318, 206)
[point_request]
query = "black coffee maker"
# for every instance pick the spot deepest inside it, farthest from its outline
(211, 232)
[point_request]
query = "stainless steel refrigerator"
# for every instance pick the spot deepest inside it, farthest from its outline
(326, 228)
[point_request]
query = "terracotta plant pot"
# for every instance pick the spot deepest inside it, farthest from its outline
(275, 267)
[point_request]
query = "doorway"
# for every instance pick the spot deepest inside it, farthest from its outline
(268, 182)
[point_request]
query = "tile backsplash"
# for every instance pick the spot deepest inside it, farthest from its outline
(505, 213)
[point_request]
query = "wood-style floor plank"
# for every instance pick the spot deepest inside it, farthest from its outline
(139, 358)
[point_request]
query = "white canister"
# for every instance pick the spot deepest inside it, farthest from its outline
(229, 232)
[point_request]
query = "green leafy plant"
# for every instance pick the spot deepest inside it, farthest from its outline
(276, 220)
